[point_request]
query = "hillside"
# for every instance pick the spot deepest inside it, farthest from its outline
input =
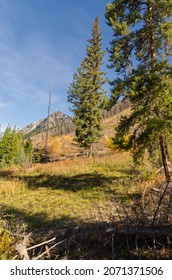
(63, 146)
(60, 123)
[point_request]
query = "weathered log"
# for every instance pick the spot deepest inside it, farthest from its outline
(142, 230)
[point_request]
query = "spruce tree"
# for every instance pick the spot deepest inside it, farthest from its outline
(139, 53)
(86, 93)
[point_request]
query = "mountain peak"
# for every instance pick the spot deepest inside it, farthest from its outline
(56, 119)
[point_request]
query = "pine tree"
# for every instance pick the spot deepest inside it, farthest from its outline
(139, 53)
(12, 147)
(5, 146)
(86, 93)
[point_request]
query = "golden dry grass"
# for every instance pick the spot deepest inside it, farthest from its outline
(111, 123)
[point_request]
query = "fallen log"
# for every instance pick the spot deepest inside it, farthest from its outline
(141, 230)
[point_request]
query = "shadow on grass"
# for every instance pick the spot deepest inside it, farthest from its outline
(85, 240)
(72, 183)
(33, 221)
(6, 173)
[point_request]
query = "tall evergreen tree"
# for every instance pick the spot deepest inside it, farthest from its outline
(86, 93)
(139, 53)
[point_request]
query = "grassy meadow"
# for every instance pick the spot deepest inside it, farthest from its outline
(73, 191)
(78, 190)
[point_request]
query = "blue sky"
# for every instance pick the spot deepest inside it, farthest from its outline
(42, 40)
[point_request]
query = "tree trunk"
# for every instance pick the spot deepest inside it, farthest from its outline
(165, 158)
(163, 144)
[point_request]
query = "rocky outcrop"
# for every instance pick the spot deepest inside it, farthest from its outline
(57, 121)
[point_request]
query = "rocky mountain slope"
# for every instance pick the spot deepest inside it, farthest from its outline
(61, 124)
(58, 124)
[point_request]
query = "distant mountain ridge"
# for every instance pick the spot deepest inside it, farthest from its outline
(60, 123)
(57, 121)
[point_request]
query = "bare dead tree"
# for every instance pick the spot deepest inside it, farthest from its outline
(48, 117)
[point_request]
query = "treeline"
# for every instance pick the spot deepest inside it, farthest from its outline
(69, 127)
(116, 109)
(13, 148)
(62, 129)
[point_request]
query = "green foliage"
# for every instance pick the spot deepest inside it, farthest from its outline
(139, 52)
(12, 148)
(28, 148)
(86, 93)
(38, 156)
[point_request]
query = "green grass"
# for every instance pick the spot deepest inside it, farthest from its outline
(55, 198)
(79, 190)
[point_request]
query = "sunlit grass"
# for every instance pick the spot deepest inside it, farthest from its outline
(78, 190)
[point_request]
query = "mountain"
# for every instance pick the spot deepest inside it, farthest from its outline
(61, 127)
(58, 123)
(61, 124)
